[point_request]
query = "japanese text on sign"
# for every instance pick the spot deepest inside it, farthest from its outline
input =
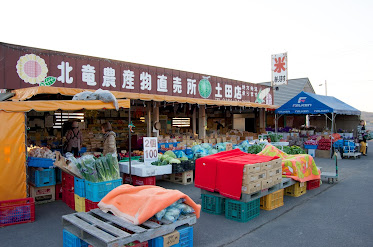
(279, 69)
(150, 149)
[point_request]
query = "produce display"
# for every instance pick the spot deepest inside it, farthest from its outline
(324, 144)
(40, 152)
(104, 168)
(293, 150)
(173, 212)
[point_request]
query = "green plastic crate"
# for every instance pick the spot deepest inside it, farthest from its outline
(242, 211)
(213, 204)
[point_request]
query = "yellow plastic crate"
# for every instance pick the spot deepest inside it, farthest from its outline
(79, 203)
(273, 200)
(296, 189)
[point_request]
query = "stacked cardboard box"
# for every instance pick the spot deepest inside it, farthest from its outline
(261, 176)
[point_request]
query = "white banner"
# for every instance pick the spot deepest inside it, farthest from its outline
(150, 149)
(279, 69)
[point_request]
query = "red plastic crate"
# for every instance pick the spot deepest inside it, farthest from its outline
(313, 184)
(89, 205)
(58, 192)
(17, 211)
(68, 198)
(67, 181)
(139, 180)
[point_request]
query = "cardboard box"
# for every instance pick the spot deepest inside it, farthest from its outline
(277, 163)
(171, 239)
(268, 165)
(274, 172)
(277, 179)
(267, 183)
(252, 188)
(323, 154)
(253, 178)
(252, 168)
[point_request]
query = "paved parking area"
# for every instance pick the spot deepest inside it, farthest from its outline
(340, 214)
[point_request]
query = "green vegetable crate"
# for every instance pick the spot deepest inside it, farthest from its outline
(96, 191)
(242, 211)
(213, 204)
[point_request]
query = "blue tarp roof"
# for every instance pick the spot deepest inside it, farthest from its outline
(309, 103)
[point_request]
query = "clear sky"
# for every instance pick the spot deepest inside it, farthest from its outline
(325, 40)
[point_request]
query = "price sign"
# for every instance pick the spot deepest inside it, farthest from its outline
(228, 146)
(150, 149)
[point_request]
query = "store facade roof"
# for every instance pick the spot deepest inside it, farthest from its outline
(29, 67)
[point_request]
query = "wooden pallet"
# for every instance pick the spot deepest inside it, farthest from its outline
(183, 178)
(101, 229)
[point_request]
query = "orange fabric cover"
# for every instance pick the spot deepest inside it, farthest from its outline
(136, 204)
(12, 156)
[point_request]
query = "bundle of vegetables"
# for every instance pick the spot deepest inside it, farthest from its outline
(256, 148)
(172, 213)
(293, 150)
(169, 157)
(275, 137)
(102, 169)
(40, 152)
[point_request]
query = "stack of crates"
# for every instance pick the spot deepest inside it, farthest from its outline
(213, 204)
(68, 195)
(242, 211)
(79, 194)
(42, 184)
(273, 200)
(296, 189)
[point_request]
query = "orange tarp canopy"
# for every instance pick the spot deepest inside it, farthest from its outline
(27, 93)
(12, 156)
(53, 105)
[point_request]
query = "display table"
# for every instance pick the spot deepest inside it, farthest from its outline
(142, 170)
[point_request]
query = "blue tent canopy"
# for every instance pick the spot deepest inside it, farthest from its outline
(309, 103)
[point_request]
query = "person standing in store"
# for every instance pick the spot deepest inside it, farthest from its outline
(74, 139)
(362, 137)
(110, 145)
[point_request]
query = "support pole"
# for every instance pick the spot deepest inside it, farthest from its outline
(194, 121)
(155, 117)
(148, 121)
(201, 122)
(129, 142)
(276, 122)
(331, 136)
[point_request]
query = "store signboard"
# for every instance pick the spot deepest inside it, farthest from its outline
(28, 67)
(150, 149)
(279, 69)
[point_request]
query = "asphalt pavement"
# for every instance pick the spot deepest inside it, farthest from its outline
(339, 214)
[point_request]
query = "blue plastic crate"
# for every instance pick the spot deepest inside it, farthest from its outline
(79, 187)
(41, 178)
(310, 146)
(83, 150)
(96, 191)
(40, 162)
(70, 240)
(186, 238)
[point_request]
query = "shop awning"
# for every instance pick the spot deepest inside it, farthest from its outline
(66, 105)
(309, 103)
(27, 93)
